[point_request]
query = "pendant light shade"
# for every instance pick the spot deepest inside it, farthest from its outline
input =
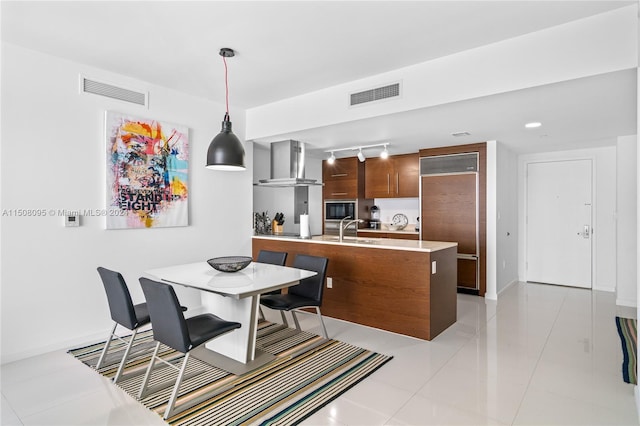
(225, 150)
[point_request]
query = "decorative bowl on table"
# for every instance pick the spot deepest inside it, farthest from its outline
(229, 263)
(393, 227)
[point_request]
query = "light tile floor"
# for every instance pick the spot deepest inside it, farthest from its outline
(542, 355)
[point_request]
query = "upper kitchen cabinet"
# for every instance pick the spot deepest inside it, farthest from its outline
(395, 177)
(342, 179)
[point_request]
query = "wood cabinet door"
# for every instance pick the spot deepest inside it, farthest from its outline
(405, 236)
(365, 234)
(449, 210)
(339, 190)
(340, 179)
(341, 169)
(406, 175)
(377, 178)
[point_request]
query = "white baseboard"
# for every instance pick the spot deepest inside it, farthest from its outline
(507, 286)
(76, 341)
(636, 394)
(632, 303)
(58, 346)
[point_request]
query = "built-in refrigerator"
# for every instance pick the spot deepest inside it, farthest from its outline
(449, 210)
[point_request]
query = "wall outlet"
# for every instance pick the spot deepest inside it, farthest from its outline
(433, 267)
(329, 282)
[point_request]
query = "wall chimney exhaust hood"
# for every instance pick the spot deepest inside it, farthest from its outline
(287, 166)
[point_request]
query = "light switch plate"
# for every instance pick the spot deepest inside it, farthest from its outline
(71, 220)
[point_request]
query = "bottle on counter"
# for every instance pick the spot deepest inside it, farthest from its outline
(417, 224)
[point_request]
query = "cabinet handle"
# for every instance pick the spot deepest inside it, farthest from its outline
(388, 183)
(340, 174)
(397, 183)
(338, 193)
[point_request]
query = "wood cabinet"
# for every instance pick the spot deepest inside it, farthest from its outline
(340, 179)
(454, 209)
(393, 290)
(395, 177)
(396, 235)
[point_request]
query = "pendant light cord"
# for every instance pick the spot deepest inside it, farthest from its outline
(226, 88)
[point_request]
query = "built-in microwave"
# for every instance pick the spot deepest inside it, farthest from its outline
(339, 209)
(336, 210)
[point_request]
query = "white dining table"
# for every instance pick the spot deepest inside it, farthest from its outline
(233, 296)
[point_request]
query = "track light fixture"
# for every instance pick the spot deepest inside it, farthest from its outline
(384, 154)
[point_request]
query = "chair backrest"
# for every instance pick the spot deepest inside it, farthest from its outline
(272, 257)
(167, 320)
(311, 287)
(119, 298)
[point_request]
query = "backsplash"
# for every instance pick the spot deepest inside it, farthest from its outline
(410, 207)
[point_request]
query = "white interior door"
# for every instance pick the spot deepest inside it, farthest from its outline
(559, 222)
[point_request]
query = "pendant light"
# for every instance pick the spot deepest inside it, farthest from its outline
(225, 150)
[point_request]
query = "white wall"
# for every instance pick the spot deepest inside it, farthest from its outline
(53, 158)
(627, 190)
(604, 201)
(506, 218)
(595, 45)
(276, 200)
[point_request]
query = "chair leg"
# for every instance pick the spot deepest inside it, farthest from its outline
(295, 320)
(124, 357)
(145, 381)
(324, 329)
(261, 313)
(176, 388)
(107, 343)
(284, 319)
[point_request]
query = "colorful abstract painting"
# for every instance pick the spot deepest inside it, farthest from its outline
(147, 173)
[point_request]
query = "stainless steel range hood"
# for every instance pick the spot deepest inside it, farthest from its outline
(287, 165)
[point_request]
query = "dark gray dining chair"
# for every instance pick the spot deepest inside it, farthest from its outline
(273, 258)
(306, 294)
(172, 329)
(123, 313)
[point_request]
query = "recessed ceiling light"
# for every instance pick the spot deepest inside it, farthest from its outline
(533, 125)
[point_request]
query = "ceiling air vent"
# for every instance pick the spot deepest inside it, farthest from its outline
(459, 134)
(376, 94)
(113, 92)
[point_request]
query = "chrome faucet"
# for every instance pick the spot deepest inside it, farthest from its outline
(345, 226)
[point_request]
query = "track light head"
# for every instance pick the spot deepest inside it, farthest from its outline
(331, 159)
(361, 156)
(384, 154)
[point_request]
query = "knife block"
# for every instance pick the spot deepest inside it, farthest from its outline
(275, 228)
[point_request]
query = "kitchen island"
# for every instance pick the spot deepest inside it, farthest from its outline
(403, 286)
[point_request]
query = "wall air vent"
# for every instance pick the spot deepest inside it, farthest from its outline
(376, 94)
(110, 91)
(459, 134)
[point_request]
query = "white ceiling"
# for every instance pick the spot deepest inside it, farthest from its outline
(290, 48)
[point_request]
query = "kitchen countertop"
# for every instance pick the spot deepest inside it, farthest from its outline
(381, 243)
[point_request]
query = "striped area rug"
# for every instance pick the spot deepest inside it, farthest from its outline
(308, 373)
(628, 332)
